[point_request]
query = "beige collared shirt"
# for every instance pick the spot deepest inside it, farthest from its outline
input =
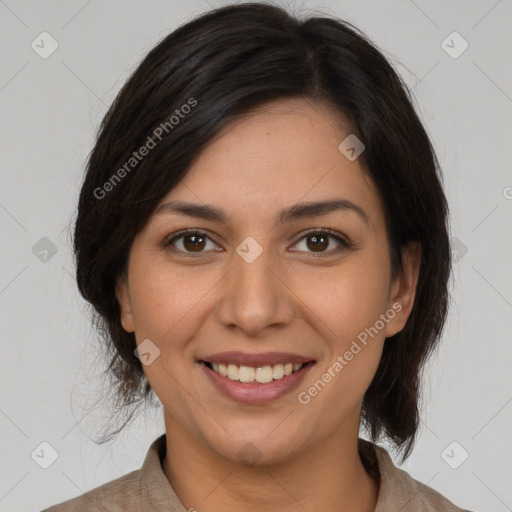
(148, 490)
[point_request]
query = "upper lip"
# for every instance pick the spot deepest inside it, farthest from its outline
(255, 360)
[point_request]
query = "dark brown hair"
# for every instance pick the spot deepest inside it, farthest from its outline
(221, 65)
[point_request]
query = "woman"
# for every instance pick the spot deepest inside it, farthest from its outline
(262, 232)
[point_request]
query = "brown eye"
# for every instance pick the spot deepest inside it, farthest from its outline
(193, 242)
(320, 240)
(189, 242)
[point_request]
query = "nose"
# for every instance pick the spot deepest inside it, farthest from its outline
(255, 297)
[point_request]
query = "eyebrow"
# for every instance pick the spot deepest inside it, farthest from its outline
(294, 212)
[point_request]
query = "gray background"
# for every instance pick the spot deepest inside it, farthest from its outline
(51, 108)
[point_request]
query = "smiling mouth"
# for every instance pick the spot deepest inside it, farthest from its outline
(251, 375)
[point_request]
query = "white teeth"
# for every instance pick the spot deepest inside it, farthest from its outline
(233, 372)
(264, 374)
(248, 374)
(245, 374)
(278, 371)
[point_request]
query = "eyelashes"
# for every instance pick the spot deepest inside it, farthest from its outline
(196, 237)
(190, 233)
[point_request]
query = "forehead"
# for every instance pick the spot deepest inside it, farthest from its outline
(281, 153)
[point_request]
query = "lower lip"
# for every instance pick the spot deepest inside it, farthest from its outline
(256, 393)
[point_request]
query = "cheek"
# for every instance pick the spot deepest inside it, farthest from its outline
(170, 306)
(162, 304)
(165, 306)
(342, 384)
(162, 298)
(347, 307)
(347, 300)
(347, 303)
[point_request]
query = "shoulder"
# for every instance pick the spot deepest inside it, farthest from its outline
(416, 496)
(142, 489)
(398, 490)
(123, 493)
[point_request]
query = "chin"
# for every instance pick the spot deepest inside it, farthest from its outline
(257, 447)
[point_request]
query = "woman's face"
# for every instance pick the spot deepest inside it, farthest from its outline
(262, 283)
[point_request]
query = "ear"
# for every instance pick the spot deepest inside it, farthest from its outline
(403, 288)
(125, 304)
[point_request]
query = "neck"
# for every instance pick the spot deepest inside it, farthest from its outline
(328, 477)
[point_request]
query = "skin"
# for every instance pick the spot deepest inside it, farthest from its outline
(295, 297)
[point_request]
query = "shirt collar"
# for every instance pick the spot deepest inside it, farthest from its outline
(157, 492)
(159, 496)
